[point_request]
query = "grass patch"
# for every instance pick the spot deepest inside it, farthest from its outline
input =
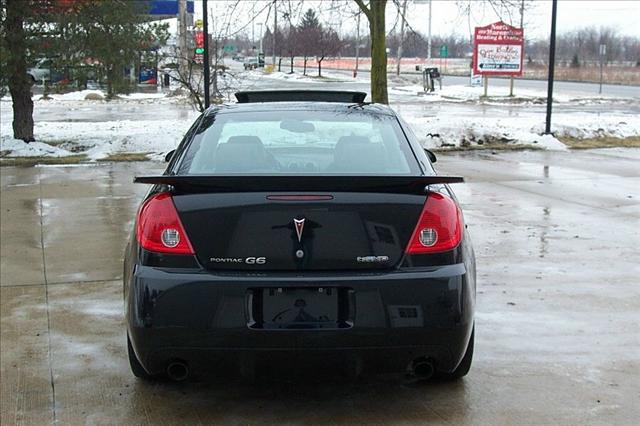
(126, 156)
(32, 161)
(600, 142)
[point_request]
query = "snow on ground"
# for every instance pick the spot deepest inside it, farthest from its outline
(19, 148)
(100, 139)
(287, 77)
(496, 95)
(449, 118)
(99, 96)
(455, 131)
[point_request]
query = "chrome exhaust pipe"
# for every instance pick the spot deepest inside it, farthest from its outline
(422, 368)
(177, 371)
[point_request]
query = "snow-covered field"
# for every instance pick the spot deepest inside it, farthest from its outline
(451, 117)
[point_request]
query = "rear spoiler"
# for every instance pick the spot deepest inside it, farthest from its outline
(297, 183)
(301, 96)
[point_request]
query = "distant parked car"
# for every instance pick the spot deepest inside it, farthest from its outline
(237, 58)
(252, 63)
(41, 71)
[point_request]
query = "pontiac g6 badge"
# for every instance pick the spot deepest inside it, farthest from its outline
(299, 225)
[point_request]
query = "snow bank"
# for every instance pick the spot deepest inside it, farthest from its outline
(18, 148)
(98, 139)
(81, 95)
(456, 131)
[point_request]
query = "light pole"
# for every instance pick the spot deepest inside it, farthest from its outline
(429, 35)
(603, 52)
(205, 30)
(552, 64)
(260, 49)
(355, 73)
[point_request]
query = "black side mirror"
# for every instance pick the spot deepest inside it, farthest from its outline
(169, 155)
(431, 155)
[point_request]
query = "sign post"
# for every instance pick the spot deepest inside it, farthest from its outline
(205, 55)
(498, 50)
(444, 53)
(552, 66)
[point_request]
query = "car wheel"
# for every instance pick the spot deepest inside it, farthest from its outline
(136, 368)
(465, 364)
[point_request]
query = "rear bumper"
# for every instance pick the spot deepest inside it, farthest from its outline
(198, 317)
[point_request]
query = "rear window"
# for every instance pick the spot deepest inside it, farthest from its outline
(299, 142)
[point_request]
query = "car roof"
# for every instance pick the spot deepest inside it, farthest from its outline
(366, 108)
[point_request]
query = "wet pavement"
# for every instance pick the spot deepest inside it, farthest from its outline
(556, 236)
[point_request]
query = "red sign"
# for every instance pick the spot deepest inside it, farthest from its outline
(199, 41)
(498, 49)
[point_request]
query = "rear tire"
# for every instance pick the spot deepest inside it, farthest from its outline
(136, 368)
(465, 365)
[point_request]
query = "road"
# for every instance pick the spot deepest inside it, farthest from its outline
(569, 88)
(558, 302)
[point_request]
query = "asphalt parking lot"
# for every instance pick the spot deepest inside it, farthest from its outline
(557, 328)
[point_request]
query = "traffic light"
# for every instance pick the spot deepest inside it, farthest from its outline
(199, 50)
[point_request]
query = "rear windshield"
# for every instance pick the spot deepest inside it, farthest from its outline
(299, 142)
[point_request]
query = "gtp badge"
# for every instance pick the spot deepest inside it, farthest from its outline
(299, 224)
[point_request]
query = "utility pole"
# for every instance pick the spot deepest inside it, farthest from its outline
(355, 73)
(552, 64)
(402, 22)
(603, 52)
(429, 35)
(260, 49)
(182, 34)
(275, 29)
(522, 28)
(206, 63)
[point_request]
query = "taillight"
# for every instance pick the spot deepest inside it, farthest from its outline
(439, 227)
(159, 228)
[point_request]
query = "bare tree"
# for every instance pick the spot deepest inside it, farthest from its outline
(403, 18)
(292, 45)
(328, 44)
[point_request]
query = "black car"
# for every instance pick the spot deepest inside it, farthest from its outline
(300, 223)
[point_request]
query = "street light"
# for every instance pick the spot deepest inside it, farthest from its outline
(552, 62)
(260, 49)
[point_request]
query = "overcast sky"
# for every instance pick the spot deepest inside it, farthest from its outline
(623, 15)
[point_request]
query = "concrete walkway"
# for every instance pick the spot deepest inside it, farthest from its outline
(556, 235)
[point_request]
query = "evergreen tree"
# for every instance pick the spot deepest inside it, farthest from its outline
(309, 20)
(114, 35)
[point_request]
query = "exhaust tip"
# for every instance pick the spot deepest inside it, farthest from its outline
(422, 368)
(177, 371)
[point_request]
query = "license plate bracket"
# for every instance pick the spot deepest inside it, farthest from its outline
(299, 308)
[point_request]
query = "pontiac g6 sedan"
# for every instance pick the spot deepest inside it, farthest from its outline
(305, 224)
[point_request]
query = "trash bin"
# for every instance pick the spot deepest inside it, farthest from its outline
(429, 75)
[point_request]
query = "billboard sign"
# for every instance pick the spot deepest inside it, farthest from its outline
(169, 8)
(148, 75)
(498, 49)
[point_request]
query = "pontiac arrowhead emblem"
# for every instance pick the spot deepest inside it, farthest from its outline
(299, 224)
